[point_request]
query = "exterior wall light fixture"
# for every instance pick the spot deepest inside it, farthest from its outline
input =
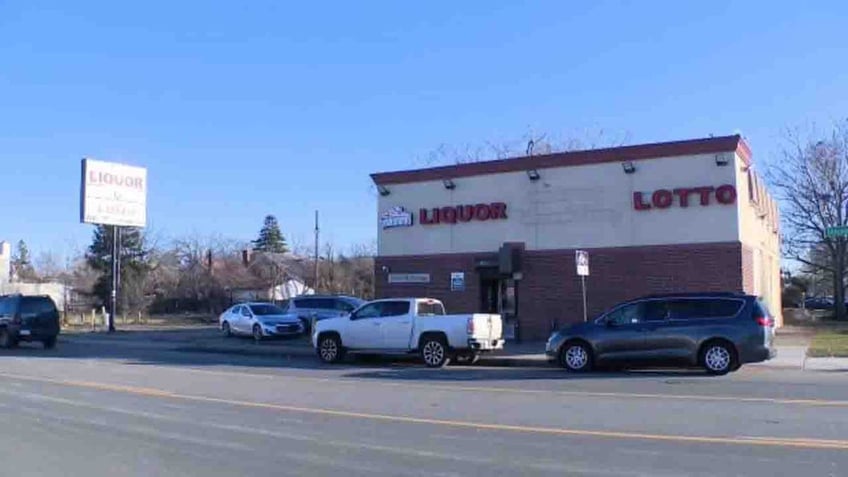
(449, 184)
(533, 174)
(383, 190)
(628, 167)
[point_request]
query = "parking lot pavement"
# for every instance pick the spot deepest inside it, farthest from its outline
(207, 339)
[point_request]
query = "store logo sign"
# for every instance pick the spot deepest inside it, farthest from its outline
(395, 217)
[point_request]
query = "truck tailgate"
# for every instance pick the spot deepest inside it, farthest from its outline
(487, 327)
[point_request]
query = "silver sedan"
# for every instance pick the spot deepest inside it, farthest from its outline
(259, 320)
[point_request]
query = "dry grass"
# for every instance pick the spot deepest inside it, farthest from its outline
(829, 343)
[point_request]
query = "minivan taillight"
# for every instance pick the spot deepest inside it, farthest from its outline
(765, 321)
(469, 327)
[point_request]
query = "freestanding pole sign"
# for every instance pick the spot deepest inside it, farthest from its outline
(581, 259)
(116, 195)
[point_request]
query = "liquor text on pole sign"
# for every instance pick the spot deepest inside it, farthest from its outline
(113, 194)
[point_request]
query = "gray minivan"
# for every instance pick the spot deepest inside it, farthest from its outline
(718, 331)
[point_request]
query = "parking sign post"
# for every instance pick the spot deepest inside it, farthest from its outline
(581, 259)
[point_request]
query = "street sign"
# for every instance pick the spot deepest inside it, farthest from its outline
(832, 232)
(457, 281)
(581, 258)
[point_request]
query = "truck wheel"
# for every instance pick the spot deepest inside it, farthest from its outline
(7, 341)
(434, 352)
(330, 349)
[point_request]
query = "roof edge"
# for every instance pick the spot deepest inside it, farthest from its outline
(734, 143)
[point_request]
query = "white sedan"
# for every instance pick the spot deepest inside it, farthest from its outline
(260, 320)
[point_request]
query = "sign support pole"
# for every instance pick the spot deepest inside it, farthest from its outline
(585, 312)
(116, 249)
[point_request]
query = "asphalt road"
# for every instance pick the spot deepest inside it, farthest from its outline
(101, 410)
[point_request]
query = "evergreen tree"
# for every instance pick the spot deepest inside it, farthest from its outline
(22, 264)
(134, 266)
(270, 237)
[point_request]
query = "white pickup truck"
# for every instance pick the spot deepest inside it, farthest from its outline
(407, 326)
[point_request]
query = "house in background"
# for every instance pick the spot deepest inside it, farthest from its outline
(272, 277)
(10, 285)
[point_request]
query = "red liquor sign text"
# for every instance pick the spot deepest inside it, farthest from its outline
(684, 197)
(462, 213)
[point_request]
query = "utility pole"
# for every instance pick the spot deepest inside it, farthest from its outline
(315, 285)
(116, 267)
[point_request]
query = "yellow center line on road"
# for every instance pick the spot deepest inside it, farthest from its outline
(801, 443)
(502, 390)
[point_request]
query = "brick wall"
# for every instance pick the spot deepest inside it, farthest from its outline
(748, 269)
(549, 294)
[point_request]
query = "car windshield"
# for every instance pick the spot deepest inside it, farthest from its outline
(264, 310)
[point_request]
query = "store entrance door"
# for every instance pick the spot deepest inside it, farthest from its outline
(500, 296)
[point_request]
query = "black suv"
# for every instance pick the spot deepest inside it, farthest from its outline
(719, 331)
(28, 318)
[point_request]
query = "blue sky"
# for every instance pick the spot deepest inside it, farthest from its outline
(240, 109)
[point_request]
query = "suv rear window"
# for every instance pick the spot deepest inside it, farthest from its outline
(700, 308)
(315, 303)
(36, 306)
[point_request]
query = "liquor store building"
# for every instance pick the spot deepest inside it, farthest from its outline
(501, 236)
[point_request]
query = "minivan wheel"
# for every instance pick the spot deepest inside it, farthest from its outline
(576, 357)
(434, 352)
(330, 349)
(718, 358)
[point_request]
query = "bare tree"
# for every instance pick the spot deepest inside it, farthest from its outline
(527, 144)
(811, 180)
(49, 266)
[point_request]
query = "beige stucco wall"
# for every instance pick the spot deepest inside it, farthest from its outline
(569, 207)
(758, 231)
